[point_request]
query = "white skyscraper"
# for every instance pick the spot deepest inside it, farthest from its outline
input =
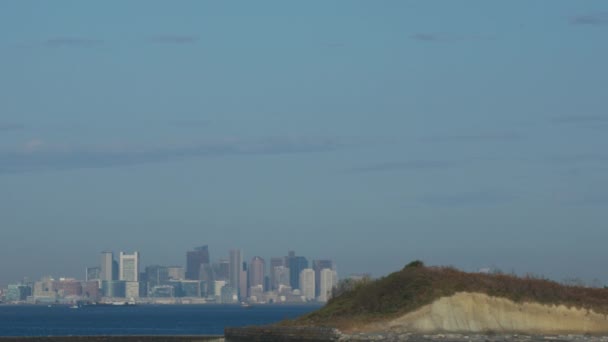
(129, 266)
(307, 283)
(329, 279)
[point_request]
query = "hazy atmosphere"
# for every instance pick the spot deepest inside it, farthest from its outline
(471, 134)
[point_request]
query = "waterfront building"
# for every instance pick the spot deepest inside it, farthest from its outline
(162, 291)
(188, 288)
(67, 287)
(307, 283)
(156, 275)
(107, 266)
(129, 266)
(17, 293)
(90, 290)
(114, 288)
(228, 295)
(45, 288)
(194, 260)
(133, 289)
(296, 265)
(236, 262)
(221, 270)
(317, 266)
(257, 272)
(93, 273)
(217, 289)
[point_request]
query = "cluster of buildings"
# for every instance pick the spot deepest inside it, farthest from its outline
(286, 279)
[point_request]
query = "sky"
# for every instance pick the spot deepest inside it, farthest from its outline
(373, 133)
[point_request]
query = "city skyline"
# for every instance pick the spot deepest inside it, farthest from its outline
(370, 134)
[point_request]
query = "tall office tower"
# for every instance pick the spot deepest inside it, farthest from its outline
(194, 260)
(257, 271)
(206, 273)
(296, 265)
(107, 266)
(221, 270)
(176, 272)
(129, 266)
(281, 277)
(236, 262)
(115, 269)
(243, 282)
(93, 273)
(275, 262)
(156, 275)
(329, 279)
(307, 283)
(318, 265)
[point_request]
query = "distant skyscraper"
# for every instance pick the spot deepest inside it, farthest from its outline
(317, 266)
(243, 282)
(296, 265)
(176, 272)
(307, 283)
(257, 271)
(156, 275)
(329, 280)
(236, 262)
(194, 260)
(93, 273)
(275, 262)
(281, 277)
(107, 266)
(222, 270)
(129, 266)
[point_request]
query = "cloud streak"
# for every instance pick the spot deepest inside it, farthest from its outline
(480, 198)
(484, 137)
(73, 42)
(175, 39)
(405, 165)
(581, 119)
(37, 155)
(11, 127)
(445, 38)
(590, 19)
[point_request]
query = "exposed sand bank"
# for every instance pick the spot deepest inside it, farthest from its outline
(476, 313)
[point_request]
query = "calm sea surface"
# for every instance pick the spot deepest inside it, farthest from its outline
(138, 320)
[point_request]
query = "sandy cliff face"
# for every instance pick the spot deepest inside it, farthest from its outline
(475, 312)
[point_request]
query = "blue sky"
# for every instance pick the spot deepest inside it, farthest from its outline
(371, 132)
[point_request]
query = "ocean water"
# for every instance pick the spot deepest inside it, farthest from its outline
(139, 320)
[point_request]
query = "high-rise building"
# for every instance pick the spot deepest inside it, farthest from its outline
(176, 272)
(275, 262)
(93, 273)
(107, 266)
(329, 279)
(129, 266)
(281, 277)
(307, 283)
(156, 275)
(194, 260)
(243, 282)
(236, 262)
(221, 270)
(257, 271)
(317, 266)
(296, 265)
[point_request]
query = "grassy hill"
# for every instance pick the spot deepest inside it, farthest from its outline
(417, 285)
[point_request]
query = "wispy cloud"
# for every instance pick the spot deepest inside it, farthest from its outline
(490, 136)
(591, 19)
(443, 37)
(11, 127)
(189, 123)
(36, 155)
(480, 198)
(579, 119)
(73, 42)
(175, 39)
(405, 165)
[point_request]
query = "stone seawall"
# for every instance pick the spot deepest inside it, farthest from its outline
(287, 334)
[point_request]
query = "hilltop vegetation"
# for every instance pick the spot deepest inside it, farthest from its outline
(417, 285)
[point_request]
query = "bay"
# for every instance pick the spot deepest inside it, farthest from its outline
(26, 320)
